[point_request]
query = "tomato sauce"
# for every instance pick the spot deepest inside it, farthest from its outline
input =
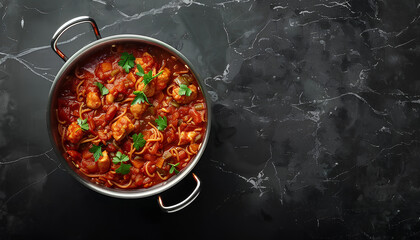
(119, 141)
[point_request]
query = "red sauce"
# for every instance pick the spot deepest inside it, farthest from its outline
(112, 119)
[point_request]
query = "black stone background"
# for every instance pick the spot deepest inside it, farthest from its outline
(315, 120)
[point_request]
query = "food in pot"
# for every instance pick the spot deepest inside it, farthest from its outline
(131, 116)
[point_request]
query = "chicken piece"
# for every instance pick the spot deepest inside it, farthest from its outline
(121, 128)
(89, 165)
(74, 133)
(104, 162)
(110, 98)
(188, 137)
(184, 99)
(146, 61)
(138, 109)
(93, 100)
(163, 79)
(149, 89)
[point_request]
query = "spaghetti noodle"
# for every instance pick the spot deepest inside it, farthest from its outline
(79, 94)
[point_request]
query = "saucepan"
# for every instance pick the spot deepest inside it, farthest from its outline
(69, 65)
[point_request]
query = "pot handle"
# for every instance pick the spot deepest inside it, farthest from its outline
(68, 25)
(186, 202)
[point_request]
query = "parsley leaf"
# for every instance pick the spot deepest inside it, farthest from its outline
(97, 152)
(184, 90)
(141, 71)
(139, 141)
(83, 124)
(173, 168)
(119, 158)
(123, 169)
(102, 88)
(147, 77)
(127, 61)
(140, 98)
(162, 123)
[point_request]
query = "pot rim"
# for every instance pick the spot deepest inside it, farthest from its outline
(85, 52)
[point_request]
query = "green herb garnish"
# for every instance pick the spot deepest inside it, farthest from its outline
(104, 91)
(121, 158)
(147, 77)
(140, 98)
(173, 168)
(83, 124)
(138, 140)
(162, 123)
(141, 70)
(97, 152)
(127, 61)
(184, 90)
(123, 169)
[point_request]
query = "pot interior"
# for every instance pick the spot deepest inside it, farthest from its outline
(52, 123)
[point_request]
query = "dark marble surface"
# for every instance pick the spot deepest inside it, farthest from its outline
(315, 133)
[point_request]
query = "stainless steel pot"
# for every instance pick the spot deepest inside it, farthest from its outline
(52, 124)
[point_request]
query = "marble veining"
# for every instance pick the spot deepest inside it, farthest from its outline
(315, 105)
